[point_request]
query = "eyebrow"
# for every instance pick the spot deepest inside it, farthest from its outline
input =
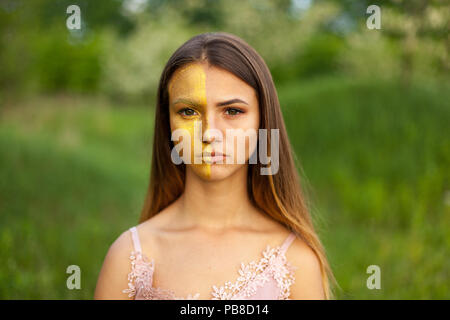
(219, 104)
(236, 100)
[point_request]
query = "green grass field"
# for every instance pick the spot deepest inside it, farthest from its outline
(375, 158)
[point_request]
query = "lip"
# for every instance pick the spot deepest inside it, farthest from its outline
(217, 154)
(214, 159)
(211, 157)
(214, 154)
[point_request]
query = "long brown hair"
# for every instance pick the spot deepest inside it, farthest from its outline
(279, 195)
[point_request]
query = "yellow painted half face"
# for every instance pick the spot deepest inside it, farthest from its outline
(187, 89)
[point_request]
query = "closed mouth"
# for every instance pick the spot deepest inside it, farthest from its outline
(212, 157)
(213, 154)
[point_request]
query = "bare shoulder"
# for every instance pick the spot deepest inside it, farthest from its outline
(308, 283)
(149, 230)
(113, 277)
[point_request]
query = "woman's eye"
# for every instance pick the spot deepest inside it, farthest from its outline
(233, 111)
(187, 112)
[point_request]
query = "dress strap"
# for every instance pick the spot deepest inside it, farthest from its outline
(136, 242)
(287, 242)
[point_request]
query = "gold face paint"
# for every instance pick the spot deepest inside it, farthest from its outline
(189, 84)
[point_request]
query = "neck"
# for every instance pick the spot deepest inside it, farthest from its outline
(216, 205)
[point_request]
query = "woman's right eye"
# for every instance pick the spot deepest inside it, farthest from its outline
(187, 112)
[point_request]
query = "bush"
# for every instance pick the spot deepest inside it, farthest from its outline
(64, 63)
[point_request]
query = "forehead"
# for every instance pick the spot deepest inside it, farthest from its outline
(188, 80)
(207, 82)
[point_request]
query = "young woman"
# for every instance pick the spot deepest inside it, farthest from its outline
(218, 228)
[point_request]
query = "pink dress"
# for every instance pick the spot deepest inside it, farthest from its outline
(270, 278)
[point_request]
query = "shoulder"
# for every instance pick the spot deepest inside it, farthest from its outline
(308, 283)
(113, 276)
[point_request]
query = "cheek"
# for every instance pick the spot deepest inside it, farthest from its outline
(244, 146)
(255, 126)
(202, 170)
(186, 127)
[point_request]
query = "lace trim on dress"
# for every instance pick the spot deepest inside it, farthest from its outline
(254, 275)
(141, 274)
(251, 277)
(140, 280)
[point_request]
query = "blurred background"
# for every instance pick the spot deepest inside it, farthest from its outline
(367, 112)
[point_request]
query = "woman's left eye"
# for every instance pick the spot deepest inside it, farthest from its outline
(234, 111)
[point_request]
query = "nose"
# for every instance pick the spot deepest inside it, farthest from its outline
(209, 128)
(208, 137)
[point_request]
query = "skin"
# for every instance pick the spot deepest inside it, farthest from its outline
(188, 83)
(201, 239)
(197, 93)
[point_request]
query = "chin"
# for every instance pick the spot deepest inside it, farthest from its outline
(216, 172)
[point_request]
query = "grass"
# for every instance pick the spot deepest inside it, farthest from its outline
(375, 158)
(72, 178)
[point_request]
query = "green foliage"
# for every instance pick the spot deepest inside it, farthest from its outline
(71, 179)
(319, 55)
(63, 63)
(376, 155)
(121, 52)
(132, 65)
(379, 137)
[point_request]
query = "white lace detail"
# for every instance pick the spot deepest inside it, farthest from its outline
(140, 281)
(251, 277)
(141, 273)
(255, 274)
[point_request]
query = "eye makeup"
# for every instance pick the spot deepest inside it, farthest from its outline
(235, 111)
(188, 112)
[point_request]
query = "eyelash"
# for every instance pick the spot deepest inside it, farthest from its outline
(239, 111)
(236, 109)
(186, 115)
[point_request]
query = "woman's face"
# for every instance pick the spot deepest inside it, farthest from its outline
(206, 101)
